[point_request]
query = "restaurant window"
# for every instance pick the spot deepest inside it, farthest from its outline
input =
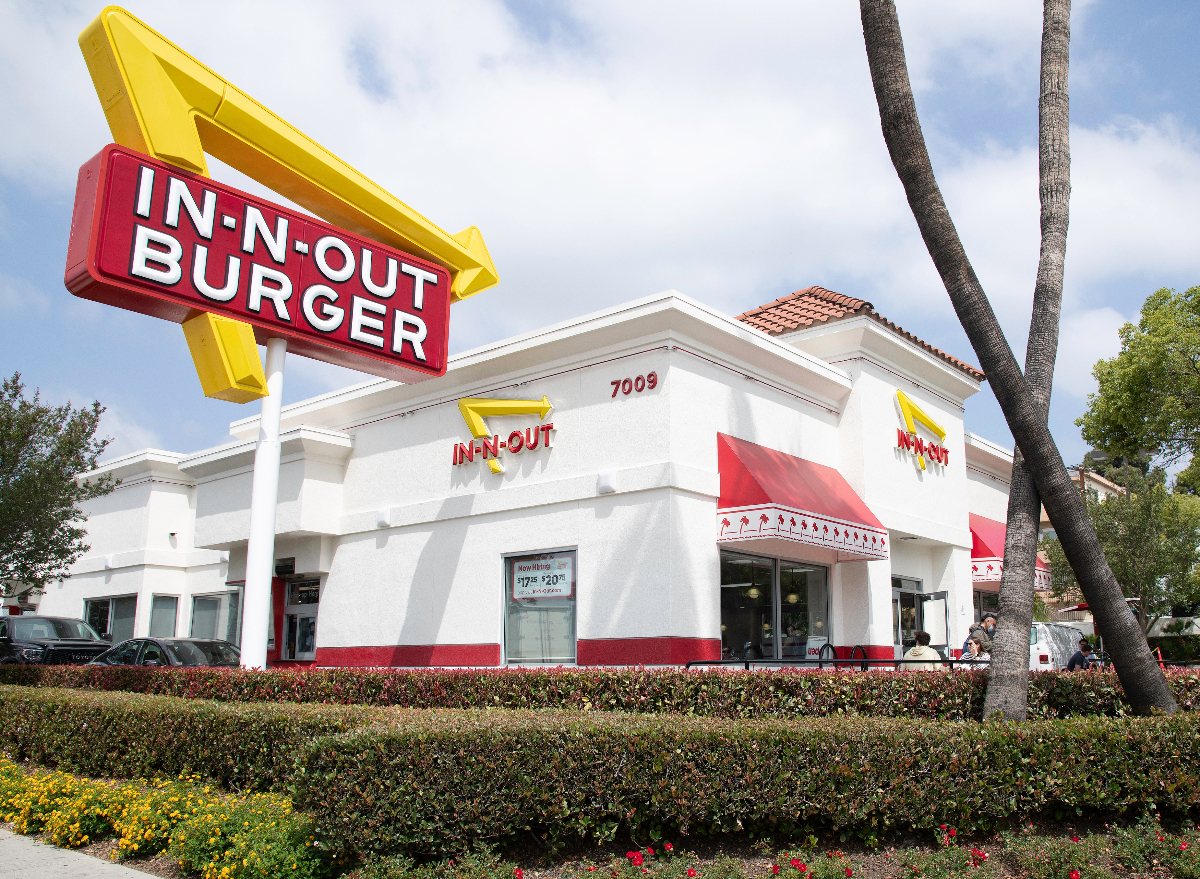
(112, 616)
(539, 599)
(218, 616)
(163, 610)
(986, 602)
(300, 620)
(772, 609)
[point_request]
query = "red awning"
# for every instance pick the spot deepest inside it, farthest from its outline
(769, 494)
(987, 553)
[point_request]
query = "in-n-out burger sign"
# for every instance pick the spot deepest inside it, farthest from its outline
(907, 438)
(489, 445)
(150, 238)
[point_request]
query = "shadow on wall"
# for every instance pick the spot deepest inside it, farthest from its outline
(429, 591)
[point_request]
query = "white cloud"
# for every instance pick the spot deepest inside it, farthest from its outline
(129, 432)
(19, 295)
(610, 150)
(1084, 338)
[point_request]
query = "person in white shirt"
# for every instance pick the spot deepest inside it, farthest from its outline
(928, 658)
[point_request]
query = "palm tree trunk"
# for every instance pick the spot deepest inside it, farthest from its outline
(1144, 683)
(1008, 683)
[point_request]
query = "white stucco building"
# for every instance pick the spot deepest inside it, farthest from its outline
(662, 510)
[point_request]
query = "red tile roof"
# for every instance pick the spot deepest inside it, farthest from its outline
(816, 305)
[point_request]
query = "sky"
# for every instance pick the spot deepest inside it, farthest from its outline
(612, 150)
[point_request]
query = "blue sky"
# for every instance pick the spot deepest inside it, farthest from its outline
(613, 150)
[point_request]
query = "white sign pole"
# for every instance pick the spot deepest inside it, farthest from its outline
(260, 553)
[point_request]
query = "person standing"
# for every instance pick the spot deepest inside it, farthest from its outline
(984, 629)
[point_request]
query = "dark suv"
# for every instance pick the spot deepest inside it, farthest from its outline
(48, 641)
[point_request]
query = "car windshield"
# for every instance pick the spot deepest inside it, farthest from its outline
(203, 653)
(51, 629)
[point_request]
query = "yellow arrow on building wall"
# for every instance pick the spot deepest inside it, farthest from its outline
(475, 409)
(161, 101)
(913, 415)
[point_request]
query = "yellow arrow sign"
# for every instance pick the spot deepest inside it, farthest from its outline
(914, 415)
(475, 409)
(161, 101)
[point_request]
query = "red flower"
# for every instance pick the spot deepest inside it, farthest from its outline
(952, 832)
(849, 872)
(635, 858)
(1183, 846)
(519, 873)
(591, 869)
(692, 874)
(649, 851)
(941, 827)
(668, 846)
(796, 863)
(1074, 839)
(774, 869)
(1074, 874)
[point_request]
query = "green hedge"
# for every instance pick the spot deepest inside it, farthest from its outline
(378, 781)
(954, 695)
(123, 735)
(442, 778)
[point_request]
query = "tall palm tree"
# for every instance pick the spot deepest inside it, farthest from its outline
(1008, 684)
(1144, 683)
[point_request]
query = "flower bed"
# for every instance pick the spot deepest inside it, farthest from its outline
(215, 835)
(956, 695)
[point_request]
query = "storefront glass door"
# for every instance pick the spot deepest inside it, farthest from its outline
(906, 614)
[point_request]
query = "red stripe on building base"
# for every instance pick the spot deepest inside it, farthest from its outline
(874, 651)
(409, 655)
(646, 651)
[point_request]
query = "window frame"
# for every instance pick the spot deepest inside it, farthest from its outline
(174, 623)
(238, 589)
(505, 589)
(299, 612)
(111, 599)
(777, 598)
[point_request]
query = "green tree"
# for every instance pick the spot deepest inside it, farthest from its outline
(1142, 678)
(1150, 537)
(1149, 394)
(43, 450)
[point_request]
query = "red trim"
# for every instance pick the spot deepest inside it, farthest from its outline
(409, 655)
(646, 651)
(278, 600)
(874, 651)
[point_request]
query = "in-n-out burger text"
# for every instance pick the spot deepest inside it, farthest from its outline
(518, 441)
(148, 237)
(910, 442)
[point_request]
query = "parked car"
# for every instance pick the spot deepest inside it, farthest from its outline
(163, 652)
(48, 641)
(1051, 646)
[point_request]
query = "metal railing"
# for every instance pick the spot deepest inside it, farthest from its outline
(858, 658)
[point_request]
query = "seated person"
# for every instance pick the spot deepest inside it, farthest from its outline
(976, 653)
(927, 658)
(1083, 658)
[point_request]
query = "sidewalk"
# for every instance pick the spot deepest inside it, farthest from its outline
(25, 858)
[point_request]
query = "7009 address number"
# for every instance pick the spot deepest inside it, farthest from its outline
(642, 382)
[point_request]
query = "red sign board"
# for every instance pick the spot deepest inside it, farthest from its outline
(148, 237)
